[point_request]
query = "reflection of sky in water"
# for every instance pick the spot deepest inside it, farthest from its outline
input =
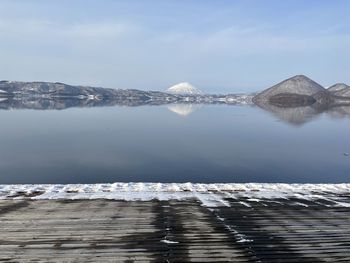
(213, 144)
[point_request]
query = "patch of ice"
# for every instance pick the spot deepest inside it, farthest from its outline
(245, 204)
(166, 241)
(243, 240)
(301, 204)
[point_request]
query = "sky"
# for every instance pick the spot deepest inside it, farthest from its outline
(218, 46)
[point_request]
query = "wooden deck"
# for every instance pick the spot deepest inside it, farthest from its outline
(172, 231)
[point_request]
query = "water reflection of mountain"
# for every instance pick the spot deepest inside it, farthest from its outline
(301, 115)
(184, 109)
(179, 106)
(339, 110)
(295, 116)
(64, 103)
(292, 115)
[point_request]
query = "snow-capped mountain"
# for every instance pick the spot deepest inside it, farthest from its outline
(184, 88)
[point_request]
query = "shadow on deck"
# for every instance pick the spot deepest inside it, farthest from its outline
(172, 231)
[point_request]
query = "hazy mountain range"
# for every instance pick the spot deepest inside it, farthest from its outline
(295, 100)
(13, 92)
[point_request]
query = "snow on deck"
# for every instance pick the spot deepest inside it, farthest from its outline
(150, 222)
(213, 195)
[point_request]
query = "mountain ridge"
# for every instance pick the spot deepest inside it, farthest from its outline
(292, 92)
(58, 91)
(340, 89)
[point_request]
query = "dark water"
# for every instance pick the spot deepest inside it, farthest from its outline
(154, 144)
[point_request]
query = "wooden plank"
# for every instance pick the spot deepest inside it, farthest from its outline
(173, 231)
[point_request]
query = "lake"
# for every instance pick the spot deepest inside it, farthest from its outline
(178, 143)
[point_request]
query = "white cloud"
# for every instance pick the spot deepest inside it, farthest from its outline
(251, 40)
(119, 54)
(41, 30)
(102, 30)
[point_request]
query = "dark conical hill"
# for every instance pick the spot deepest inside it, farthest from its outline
(299, 84)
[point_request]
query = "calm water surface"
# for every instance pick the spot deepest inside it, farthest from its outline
(155, 144)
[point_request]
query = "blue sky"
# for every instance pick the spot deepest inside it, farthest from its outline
(218, 45)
